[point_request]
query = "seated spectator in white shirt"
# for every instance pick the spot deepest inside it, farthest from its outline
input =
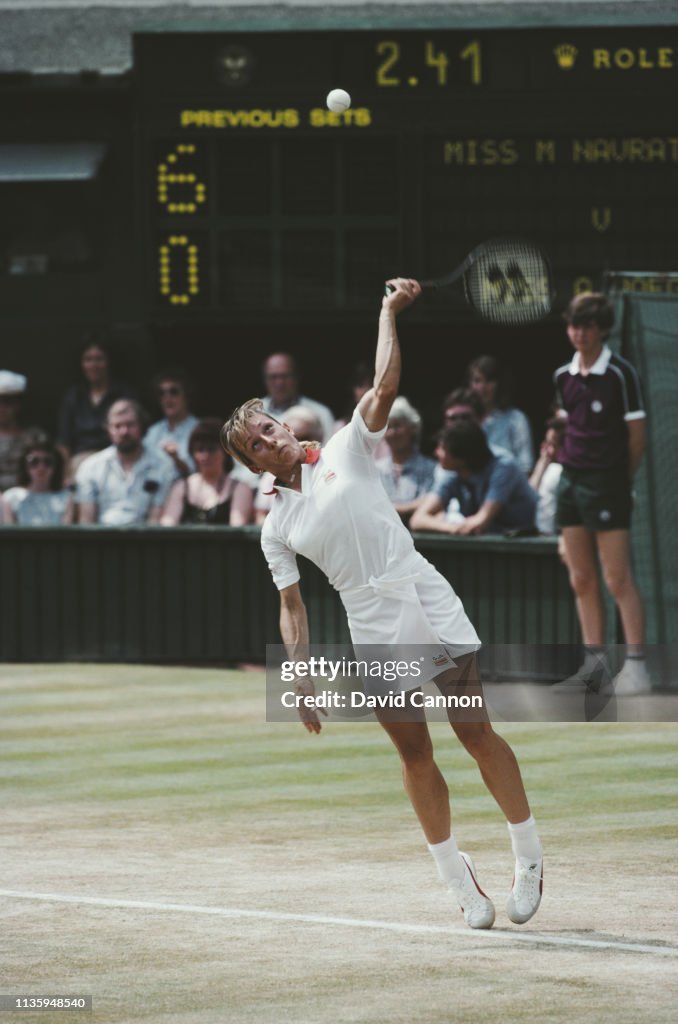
(126, 484)
(281, 381)
(305, 426)
(171, 434)
(492, 492)
(505, 426)
(40, 498)
(406, 474)
(546, 476)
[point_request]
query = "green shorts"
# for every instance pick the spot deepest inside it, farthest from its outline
(598, 499)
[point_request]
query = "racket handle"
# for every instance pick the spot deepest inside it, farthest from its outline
(388, 289)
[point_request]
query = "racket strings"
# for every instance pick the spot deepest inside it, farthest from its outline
(510, 282)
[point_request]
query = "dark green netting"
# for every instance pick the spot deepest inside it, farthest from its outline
(648, 337)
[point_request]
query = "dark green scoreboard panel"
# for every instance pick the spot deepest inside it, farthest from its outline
(254, 199)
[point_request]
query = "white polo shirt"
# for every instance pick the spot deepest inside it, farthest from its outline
(344, 522)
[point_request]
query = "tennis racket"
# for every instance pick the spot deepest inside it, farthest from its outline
(506, 280)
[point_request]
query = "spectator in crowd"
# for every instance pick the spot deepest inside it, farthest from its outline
(359, 384)
(305, 426)
(406, 474)
(40, 498)
(212, 494)
(546, 476)
(603, 446)
(13, 437)
(126, 483)
(361, 380)
(462, 404)
(281, 381)
(492, 491)
(505, 426)
(84, 407)
(171, 434)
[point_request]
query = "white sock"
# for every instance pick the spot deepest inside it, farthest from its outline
(524, 839)
(446, 855)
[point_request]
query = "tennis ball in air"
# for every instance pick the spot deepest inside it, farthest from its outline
(338, 100)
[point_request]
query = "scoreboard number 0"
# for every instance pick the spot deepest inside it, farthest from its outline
(179, 270)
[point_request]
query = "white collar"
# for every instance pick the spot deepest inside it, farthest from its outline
(600, 365)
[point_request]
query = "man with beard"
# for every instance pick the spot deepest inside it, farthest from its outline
(125, 484)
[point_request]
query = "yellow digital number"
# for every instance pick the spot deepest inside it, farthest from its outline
(473, 53)
(179, 247)
(437, 60)
(391, 50)
(179, 190)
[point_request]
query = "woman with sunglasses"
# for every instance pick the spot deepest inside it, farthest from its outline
(171, 434)
(39, 499)
(212, 495)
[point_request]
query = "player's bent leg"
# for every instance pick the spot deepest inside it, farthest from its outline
(501, 774)
(423, 781)
(429, 796)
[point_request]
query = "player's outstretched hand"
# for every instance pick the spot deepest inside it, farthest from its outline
(307, 713)
(400, 293)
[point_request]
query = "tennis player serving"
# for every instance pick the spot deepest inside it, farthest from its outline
(331, 507)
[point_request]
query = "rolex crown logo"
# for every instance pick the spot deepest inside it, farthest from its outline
(566, 55)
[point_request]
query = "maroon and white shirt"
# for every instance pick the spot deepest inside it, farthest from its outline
(598, 407)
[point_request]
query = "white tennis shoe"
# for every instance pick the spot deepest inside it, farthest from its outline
(477, 908)
(633, 680)
(525, 896)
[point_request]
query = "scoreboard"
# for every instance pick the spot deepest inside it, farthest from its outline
(253, 199)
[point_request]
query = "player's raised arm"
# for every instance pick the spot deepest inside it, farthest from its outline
(375, 405)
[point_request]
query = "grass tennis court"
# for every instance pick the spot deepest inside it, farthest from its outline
(178, 858)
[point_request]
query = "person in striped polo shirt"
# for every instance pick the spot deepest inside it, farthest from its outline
(599, 393)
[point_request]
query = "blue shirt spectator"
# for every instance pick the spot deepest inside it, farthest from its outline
(510, 429)
(490, 491)
(505, 426)
(170, 436)
(501, 480)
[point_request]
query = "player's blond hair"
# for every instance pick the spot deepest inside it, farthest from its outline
(234, 430)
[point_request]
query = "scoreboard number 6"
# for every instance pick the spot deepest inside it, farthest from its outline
(178, 189)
